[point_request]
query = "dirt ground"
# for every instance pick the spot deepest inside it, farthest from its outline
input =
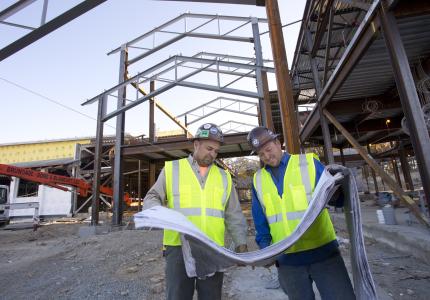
(55, 263)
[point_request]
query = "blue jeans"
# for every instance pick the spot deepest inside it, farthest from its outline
(330, 277)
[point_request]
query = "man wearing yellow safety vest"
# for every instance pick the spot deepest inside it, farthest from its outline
(204, 193)
(282, 189)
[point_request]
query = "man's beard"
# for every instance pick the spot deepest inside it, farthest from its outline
(206, 161)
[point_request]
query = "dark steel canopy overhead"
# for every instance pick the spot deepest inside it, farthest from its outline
(247, 2)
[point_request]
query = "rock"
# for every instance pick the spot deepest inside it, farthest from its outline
(132, 270)
(151, 259)
(124, 293)
(410, 292)
(156, 279)
(157, 288)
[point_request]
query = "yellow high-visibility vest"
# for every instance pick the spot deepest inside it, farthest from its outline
(204, 207)
(284, 213)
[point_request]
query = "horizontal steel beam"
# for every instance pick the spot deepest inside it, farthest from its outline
(181, 17)
(365, 34)
(179, 144)
(14, 8)
(178, 59)
(213, 88)
(148, 96)
(47, 28)
(246, 2)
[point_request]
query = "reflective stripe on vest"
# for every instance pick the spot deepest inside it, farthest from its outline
(285, 213)
(203, 206)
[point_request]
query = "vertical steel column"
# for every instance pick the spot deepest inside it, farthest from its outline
(366, 176)
(396, 171)
(151, 113)
(139, 185)
(258, 65)
(373, 172)
(408, 95)
(328, 147)
(75, 173)
(98, 152)
(328, 42)
(405, 168)
(267, 104)
(290, 125)
(342, 156)
(151, 177)
(118, 184)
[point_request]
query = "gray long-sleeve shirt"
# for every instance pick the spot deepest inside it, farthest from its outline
(233, 218)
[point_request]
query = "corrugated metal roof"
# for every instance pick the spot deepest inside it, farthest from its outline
(373, 75)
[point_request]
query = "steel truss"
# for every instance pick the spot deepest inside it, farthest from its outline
(235, 127)
(178, 70)
(219, 104)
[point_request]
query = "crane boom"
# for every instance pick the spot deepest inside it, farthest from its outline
(56, 181)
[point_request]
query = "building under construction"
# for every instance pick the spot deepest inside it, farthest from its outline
(357, 92)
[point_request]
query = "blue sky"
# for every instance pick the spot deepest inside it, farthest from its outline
(70, 65)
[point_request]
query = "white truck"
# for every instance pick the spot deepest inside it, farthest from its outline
(6, 206)
(4, 201)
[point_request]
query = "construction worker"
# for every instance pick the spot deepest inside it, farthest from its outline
(204, 193)
(281, 191)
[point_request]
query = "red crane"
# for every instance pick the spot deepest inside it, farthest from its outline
(83, 188)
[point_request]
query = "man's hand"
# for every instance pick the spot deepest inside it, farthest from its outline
(241, 248)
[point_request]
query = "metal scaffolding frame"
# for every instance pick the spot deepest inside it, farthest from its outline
(178, 70)
(350, 72)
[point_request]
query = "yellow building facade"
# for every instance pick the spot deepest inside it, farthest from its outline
(39, 151)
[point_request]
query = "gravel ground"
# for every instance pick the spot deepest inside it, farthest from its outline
(55, 263)
(398, 276)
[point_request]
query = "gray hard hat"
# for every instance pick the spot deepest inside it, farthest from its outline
(209, 131)
(260, 136)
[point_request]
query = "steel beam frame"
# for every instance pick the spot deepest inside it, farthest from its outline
(219, 108)
(49, 27)
(97, 162)
(374, 165)
(408, 95)
(252, 66)
(366, 32)
(328, 147)
(118, 184)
